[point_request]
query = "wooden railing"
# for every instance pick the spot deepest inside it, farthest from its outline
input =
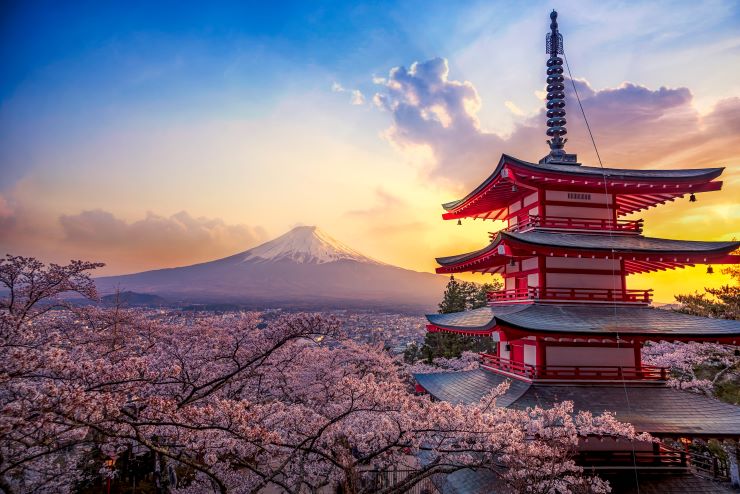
(574, 372)
(571, 294)
(587, 224)
(494, 362)
(403, 480)
(513, 295)
(610, 459)
(661, 457)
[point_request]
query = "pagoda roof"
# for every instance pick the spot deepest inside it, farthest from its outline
(635, 249)
(645, 188)
(661, 411)
(587, 321)
(620, 243)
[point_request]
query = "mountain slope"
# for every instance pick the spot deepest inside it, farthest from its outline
(304, 267)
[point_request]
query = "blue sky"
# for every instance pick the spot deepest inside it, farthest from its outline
(114, 115)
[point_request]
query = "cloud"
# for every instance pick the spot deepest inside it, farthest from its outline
(152, 242)
(356, 96)
(386, 203)
(511, 106)
(633, 125)
(5, 210)
(159, 240)
(390, 215)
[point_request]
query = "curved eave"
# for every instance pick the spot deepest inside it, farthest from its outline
(638, 259)
(514, 331)
(587, 323)
(635, 189)
(611, 244)
(471, 256)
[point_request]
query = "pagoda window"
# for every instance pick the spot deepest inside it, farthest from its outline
(530, 353)
(578, 197)
(530, 199)
(512, 269)
(581, 196)
(530, 263)
(578, 205)
(504, 349)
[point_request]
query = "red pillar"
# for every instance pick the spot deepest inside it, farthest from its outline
(637, 346)
(540, 358)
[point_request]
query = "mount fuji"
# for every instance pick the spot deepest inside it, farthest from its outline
(302, 268)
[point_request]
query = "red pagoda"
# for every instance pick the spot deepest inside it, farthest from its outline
(568, 326)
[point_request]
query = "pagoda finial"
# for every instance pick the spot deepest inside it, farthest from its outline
(556, 97)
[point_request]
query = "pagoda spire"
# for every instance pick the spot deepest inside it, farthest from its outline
(556, 97)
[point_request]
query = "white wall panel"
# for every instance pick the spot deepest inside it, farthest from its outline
(566, 280)
(604, 356)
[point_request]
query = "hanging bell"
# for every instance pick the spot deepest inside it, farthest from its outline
(459, 222)
(710, 270)
(514, 188)
(512, 263)
(692, 198)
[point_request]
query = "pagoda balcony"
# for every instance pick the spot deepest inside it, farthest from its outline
(578, 224)
(567, 295)
(570, 373)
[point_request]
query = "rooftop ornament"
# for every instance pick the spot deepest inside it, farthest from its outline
(556, 98)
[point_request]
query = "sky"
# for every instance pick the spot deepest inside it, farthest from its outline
(160, 134)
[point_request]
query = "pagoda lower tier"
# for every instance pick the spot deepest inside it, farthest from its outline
(659, 410)
(631, 467)
(584, 322)
(578, 343)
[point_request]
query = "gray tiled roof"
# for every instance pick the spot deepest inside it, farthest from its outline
(606, 242)
(444, 261)
(470, 481)
(469, 386)
(654, 409)
(631, 243)
(587, 320)
(692, 174)
(659, 410)
(473, 320)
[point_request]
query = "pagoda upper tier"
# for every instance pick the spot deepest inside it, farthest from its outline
(624, 190)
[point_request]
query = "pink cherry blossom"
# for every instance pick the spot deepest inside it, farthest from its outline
(685, 358)
(239, 405)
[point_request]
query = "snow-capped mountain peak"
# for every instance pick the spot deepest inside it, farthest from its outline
(305, 244)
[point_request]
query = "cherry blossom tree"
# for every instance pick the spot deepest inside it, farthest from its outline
(467, 361)
(686, 359)
(236, 405)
